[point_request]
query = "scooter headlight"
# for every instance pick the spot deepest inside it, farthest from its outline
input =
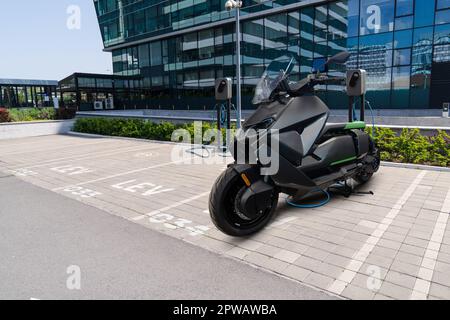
(265, 124)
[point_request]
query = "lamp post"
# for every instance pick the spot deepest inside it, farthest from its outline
(230, 5)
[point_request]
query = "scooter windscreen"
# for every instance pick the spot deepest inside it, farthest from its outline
(275, 73)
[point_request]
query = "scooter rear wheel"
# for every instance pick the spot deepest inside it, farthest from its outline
(224, 208)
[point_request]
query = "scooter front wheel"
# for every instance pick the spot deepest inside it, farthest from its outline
(224, 207)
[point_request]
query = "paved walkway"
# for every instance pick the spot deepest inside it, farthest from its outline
(394, 245)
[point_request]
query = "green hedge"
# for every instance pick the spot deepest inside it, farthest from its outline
(32, 114)
(410, 146)
(407, 147)
(134, 128)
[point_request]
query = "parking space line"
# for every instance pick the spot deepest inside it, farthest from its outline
(173, 206)
(119, 175)
(283, 221)
(347, 276)
(423, 282)
(57, 148)
(85, 157)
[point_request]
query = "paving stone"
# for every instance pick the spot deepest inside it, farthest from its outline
(357, 293)
(287, 256)
(276, 265)
(401, 279)
(440, 291)
(296, 272)
(316, 254)
(329, 270)
(382, 297)
(257, 259)
(395, 291)
(384, 252)
(338, 261)
(422, 286)
(409, 258)
(238, 252)
(395, 245)
(307, 263)
(441, 278)
(318, 280)
(379, 261)
(421, 243)
(405, 268)
(418, 251)
(268, 250)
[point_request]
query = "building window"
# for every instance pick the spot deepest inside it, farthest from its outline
(443, 4)
(404, 8)
(377, 16)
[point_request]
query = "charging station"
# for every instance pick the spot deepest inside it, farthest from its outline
(224, 94)
(356, 87)
(445, 110)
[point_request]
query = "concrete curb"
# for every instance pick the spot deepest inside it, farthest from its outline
(414, 166)
(90, 135)
(383, 163)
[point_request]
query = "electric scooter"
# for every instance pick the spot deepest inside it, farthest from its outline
(312, 154)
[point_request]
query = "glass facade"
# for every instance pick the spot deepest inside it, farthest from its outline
(401, 44)
(81, 90)
(27, 93)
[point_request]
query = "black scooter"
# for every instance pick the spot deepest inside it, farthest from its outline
(311, 155)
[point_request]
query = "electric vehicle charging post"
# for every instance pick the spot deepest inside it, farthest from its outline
(445, 110)
(356, 87)
(224, 93)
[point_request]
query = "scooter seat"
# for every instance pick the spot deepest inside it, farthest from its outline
(335, 127)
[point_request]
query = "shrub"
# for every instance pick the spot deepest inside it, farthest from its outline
(135, 128)
(32, 114)
(407, 147)
(412, 147)
(4, 115)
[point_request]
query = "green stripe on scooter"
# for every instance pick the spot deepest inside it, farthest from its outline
(355, 125)
(343, 161)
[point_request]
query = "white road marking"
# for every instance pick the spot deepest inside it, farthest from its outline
(83, 157)
(368, 224)
(280, 222)
(120, 174)
(57, 148)
(23, 173)
(145, 188)
(347, 276)
(175, 205)
(423, 282)
(173, 223)
(83, 192)
(72, 170)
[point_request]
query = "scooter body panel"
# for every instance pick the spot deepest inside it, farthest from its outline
(303, 158)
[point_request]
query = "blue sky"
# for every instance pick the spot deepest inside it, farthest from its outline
(35, 42)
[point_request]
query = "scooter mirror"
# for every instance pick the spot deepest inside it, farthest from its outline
(340, 58)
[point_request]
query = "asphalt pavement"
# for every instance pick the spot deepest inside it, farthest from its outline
(53, 247)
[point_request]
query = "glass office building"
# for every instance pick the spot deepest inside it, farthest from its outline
(178, 48)
(15, 93)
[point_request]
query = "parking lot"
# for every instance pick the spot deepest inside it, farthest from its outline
(392, 245)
